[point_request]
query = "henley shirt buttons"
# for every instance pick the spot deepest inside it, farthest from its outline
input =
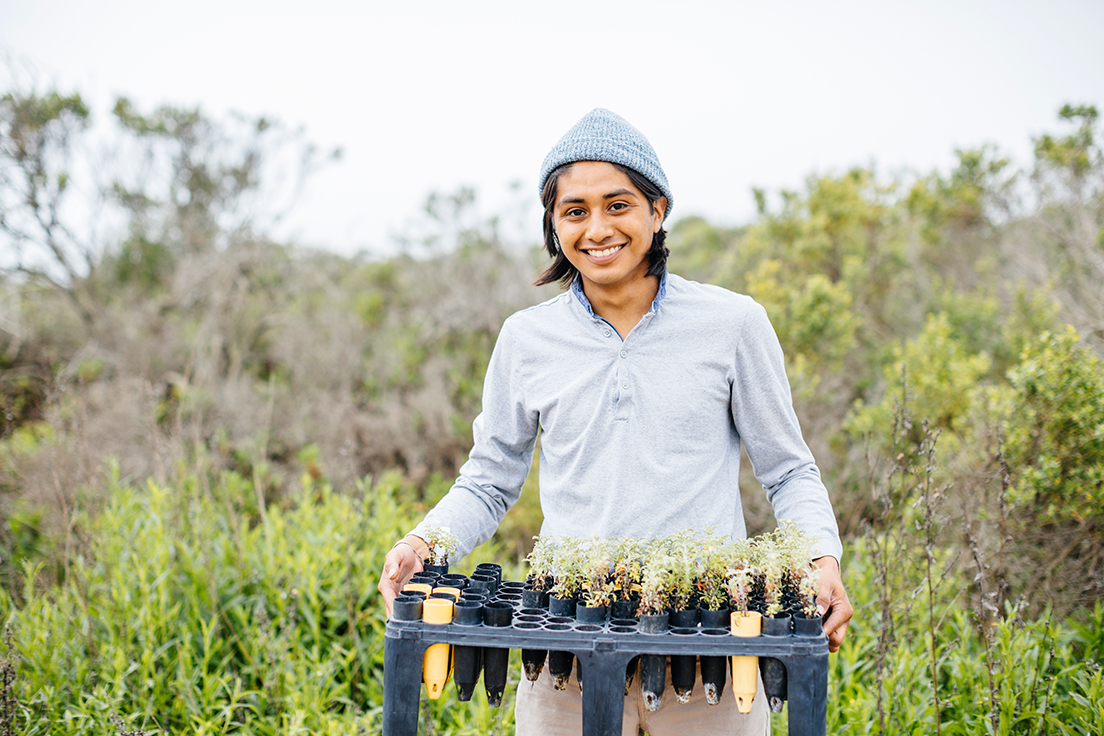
(624, 353)
(625, 386)
(606, 332)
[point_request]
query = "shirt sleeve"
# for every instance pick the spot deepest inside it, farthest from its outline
(504, 435)
(762, 409)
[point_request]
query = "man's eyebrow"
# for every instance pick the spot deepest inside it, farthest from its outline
(611, 195)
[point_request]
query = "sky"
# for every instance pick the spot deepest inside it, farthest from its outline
(432, 96)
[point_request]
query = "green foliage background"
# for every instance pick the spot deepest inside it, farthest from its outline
(209, 440)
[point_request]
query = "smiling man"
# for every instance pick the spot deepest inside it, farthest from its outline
(604, 227)
(643, 387)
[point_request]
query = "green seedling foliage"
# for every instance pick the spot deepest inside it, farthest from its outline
(714, 561)
(597, 588)
(442, 544)
(655, 585)
(542, 562)
(628, 564)
(738, 585)
(684, 570)
(569, 567)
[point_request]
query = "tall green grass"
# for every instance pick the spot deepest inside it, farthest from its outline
(1017, 675)
(185, 612)
(188, 614)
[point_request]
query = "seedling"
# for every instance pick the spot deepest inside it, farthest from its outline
(627, 568)
(442, 544)
(808, 589)
(598, 588)
(570, 568)
(711, 581)
(655, 587)
(683, 572)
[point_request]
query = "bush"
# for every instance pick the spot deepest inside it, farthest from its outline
(1055, 429)
(933, 375)
(187, 614)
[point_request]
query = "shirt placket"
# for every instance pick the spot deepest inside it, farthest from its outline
(624, 373)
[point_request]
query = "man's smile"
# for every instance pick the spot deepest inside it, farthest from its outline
(605, 252)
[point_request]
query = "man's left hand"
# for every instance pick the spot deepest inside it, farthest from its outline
(833, 602)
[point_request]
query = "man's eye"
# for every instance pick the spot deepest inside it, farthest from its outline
(618, 206)
(576, 212)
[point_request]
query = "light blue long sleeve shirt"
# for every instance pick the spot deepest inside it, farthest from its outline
(639, 437)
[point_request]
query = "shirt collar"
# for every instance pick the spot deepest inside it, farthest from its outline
(577, 290)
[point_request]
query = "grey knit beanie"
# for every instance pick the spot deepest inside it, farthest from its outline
(604, 136)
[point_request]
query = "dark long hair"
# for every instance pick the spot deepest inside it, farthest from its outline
(561, 269)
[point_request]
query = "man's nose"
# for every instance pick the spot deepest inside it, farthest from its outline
(599, 228)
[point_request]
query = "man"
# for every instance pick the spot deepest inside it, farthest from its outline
(643, 386)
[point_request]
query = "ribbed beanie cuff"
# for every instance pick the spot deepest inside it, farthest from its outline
(605, 136)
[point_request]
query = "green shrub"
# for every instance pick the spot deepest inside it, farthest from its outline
(1016, 676)
(1055, 429)
(186, 614)
(933, 375)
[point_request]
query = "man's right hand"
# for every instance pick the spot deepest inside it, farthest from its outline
(398, 566)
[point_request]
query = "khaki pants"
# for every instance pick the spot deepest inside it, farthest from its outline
(541, 710)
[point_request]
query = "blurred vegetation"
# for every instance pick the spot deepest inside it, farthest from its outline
(187, 406)
(185, 615)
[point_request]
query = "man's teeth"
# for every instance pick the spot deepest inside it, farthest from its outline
(606, 252)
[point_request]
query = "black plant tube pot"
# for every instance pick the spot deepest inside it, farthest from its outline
(532, 662)
(490, 568)
(683, 671)
(439, 569)
(590, 614)
(714, 670)
(559, 663)
(630, 670)
(407, 608)
(808, 626)
(495, 660)
(772, 670)
(653, 667)
(455, 581)
(684, 618)
(653, 623)
(483, 581)
(467, 662)
(623, 609)
(653, 675)
(531, 598)
(711, 619)
(429, 578)
(559, 666)
(683, 623)
(561, 606)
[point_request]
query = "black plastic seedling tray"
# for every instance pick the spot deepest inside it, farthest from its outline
(603, 651)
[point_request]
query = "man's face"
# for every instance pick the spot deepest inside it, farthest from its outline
(605, 225)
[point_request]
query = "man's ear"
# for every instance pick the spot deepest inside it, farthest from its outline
(659, 209)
